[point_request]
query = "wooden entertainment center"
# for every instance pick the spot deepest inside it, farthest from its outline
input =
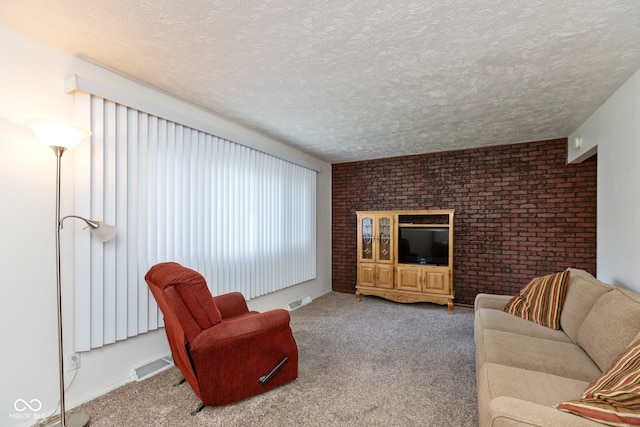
(406, 256)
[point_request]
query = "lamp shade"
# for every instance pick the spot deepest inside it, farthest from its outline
(56, 133)
(103, 231)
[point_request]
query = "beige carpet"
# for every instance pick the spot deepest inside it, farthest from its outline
(372, 363)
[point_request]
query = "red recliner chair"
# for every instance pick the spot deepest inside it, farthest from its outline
(225, 352)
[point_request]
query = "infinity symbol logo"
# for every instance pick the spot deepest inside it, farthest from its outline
(22, 405)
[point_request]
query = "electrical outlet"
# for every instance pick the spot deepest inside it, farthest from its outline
(71, 362)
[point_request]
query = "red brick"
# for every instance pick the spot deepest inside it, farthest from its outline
(521, 211)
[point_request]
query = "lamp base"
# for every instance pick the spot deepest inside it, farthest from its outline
(73, 420)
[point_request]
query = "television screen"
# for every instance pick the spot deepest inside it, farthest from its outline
(423, 245)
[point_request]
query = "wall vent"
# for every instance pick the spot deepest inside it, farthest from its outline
(150, 369)
(298, 303)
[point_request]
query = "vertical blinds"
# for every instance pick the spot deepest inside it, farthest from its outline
(243, 218)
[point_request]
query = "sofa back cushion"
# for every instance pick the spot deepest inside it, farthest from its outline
(584, 290)
(610, 326)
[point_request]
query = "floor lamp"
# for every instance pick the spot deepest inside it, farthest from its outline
(61, 136)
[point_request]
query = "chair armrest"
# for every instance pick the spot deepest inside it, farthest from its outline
(231, 357)
(243, 328)
(242, 342)
(231, 304)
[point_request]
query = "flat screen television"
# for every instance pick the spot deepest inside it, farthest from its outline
(423, 245)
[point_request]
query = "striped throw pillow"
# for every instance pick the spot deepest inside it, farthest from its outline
(541, 301)
(614, 398)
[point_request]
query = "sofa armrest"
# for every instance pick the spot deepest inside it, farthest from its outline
(511, 412)
(496, 302)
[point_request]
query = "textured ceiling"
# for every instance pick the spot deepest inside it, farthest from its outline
(356, 80)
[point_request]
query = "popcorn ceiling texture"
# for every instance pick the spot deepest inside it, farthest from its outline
(348, 81)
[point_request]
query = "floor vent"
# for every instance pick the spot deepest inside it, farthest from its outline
(150, 369)
(298, 303)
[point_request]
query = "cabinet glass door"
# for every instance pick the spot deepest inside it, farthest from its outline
(384, 246)
(367, 238)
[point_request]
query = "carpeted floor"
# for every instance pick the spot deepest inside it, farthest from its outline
(368, 363)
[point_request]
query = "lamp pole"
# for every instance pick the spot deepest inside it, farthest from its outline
(58, 151)
(74, 419)
(61, 136)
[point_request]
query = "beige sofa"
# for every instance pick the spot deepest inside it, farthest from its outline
(523, 369)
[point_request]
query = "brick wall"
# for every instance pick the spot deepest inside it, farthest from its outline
(521, 211)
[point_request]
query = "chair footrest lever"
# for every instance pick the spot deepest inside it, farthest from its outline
(264, 380)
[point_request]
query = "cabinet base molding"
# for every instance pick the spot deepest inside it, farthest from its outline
(406, 297)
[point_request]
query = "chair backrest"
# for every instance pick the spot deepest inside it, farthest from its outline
(186, 294)
(188, 308)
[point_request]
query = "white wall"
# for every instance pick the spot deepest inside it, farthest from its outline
(32, 85)
(614, 131)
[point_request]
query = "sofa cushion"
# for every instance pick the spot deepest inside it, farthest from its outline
(614, 398)
(538, 387)
(583, 291)
(514, 396)
(564, 359)
(611, 325)
(487, 318)
(511, 412)
(541, 300)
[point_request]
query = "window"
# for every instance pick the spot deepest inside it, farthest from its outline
(243, 218)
